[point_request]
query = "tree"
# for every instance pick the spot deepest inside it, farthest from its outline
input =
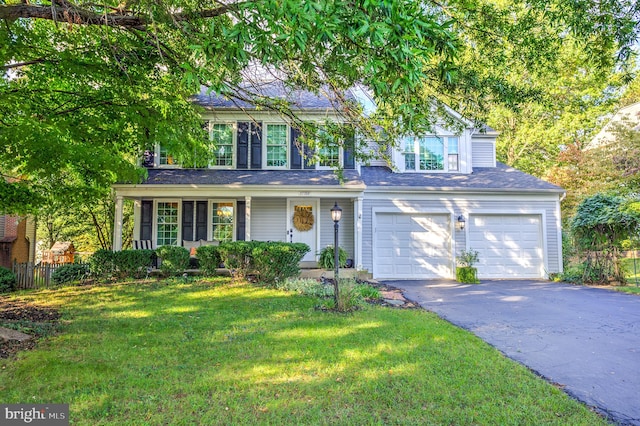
(599, 226)
(90, 86)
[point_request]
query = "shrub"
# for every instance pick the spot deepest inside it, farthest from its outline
(175, 259)
(68, 273)
(7, 280)
(236, 256)
(277, 261)
(209, 259)
(326, 260)
(102, 264)
(467, 274)
(133, 263)
(368, 292)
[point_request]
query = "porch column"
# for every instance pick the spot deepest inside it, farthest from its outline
(137, 216)
(357, 237)
(117, 225)
(247, 218)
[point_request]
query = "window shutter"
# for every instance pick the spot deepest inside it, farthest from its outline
(309, 162)
(146, 220)
(243, 145)
(296, 157)
(349, 158)
(240, 220)
(201, 221)
(187, 220)
(256, 145)
(148, 159)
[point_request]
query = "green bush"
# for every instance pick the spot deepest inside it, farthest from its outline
(467, 274)
(277, 261)
(236, 256)
(326, 260)
(102, 264)
(175, 259)
(368, 292)
(7, 280)
(68, 273)
(209, 259)
(133, 263)
(270, 261)
(467, 258)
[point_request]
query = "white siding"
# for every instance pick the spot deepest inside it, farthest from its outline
(268, 219)
(483, 154)
(345, 231)
(469, 204)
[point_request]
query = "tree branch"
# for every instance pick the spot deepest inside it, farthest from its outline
(72, 14)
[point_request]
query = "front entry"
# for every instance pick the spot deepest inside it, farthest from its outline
(303, 224)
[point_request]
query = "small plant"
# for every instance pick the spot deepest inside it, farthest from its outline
(326, 260)
(349, 296)
(368, 292)
(209, 259)
(467, 258)
(466, 273)
(68, 273)
(7, 280)
(306, 286)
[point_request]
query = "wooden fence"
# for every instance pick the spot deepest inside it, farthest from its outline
(32, 276)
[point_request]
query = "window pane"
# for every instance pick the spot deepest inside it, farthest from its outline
(330, 156)
(222, 139)
(453, 145)
(165, 159)
(276, 145)
(408, 144)
(222, 220)
(167, 224)
(453, 162)
(409, 161)
(431, 153)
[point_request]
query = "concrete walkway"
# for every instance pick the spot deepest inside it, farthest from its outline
(587, 340)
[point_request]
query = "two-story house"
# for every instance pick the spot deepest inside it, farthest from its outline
(445, 192)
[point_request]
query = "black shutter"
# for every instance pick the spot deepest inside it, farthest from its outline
(187, 220)
(240, 220)
(148, 159)
(349, 158)
(146, 220)
(256, 145)
(243, 145)
(201, 220)
(296, 156)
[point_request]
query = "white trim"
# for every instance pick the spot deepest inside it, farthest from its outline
(357, 229)
(154, 231)
(234, 143)
(210, 214)
(558, 225)
(117, 225)
(265, 144)
(247, 218)
(137, 217)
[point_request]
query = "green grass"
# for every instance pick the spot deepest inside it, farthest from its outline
(632, 274)
(216, 353)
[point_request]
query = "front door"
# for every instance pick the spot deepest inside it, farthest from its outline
(303, 224)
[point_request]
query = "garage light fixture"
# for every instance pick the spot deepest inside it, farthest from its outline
(461, 222)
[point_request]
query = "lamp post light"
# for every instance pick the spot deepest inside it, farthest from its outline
(461, 222)
(336, 215)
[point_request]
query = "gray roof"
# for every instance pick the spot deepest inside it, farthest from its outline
(499, 178)
(250, 177)
(298, 99)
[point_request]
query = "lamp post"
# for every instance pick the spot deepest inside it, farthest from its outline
(336, 215)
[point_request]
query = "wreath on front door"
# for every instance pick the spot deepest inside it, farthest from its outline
(303, 220)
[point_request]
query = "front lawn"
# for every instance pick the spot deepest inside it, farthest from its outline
(217, 353)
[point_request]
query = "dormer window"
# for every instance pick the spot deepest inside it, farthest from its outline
(429, 153)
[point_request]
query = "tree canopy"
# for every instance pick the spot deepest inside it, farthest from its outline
(88, 87)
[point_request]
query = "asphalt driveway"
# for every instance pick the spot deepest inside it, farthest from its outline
(586, 340)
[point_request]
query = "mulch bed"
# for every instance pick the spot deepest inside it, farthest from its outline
(23, 314)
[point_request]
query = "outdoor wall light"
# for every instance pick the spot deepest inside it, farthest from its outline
(461, 222)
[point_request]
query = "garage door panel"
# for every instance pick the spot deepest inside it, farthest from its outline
(414, 245)
(509, 246)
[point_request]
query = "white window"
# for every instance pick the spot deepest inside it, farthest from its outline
(222, 144)
(276, 145)
(430, 153)
(329, 157)
(223, 220)
(167, 223)
(164, 158)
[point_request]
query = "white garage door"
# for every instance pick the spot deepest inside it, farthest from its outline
(410, 246)
(509, 246)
